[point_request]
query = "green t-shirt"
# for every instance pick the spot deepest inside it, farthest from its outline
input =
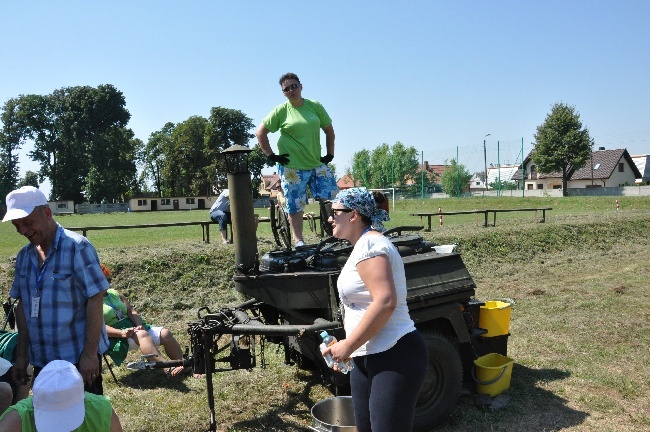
(114, 308)
(99, 414)
(299, 132)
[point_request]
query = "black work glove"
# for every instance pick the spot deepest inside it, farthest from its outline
(327, 158)
(281, 159)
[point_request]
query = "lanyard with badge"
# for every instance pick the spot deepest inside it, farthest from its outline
(36, 301)
(116, 309)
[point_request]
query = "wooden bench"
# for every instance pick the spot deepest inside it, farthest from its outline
(486, 212)
(205, 227)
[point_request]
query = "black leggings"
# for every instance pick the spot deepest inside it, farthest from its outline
(385, 386)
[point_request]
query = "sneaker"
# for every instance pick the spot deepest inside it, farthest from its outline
(300, 243)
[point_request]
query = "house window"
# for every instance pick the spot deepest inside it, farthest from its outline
(165, 201)
(557, 186)
(540, 186)
(62, 205)
(142, 203)
(530, 186)
(621, 167)
(478, 183)
(189, 200)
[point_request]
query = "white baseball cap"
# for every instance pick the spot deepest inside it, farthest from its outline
(5, 365)
(21, 202)
(58, 398)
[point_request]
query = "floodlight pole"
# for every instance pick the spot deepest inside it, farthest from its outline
(485, 161)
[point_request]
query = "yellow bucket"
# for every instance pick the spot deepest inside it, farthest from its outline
(494, 317)
(492, 374)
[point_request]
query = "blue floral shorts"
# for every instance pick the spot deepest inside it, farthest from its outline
(320, 180)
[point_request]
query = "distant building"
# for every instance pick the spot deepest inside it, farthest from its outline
(346, 182)
(270, 185)
(504, 173)
(476, 184)
(642, 163)
(604, 168)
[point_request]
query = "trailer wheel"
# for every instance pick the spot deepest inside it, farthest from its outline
(442, 382)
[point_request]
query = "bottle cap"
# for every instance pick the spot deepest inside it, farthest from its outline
(324, 334)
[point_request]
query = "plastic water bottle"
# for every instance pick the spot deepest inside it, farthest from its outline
(344, 366)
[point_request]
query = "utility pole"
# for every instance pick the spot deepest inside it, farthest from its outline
(485, 161)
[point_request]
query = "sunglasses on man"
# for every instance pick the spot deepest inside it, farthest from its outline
(287, 89)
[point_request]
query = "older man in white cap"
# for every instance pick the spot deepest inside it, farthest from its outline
(59, 285)
(59, 404)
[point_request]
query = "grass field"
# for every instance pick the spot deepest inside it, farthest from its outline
(579, 331)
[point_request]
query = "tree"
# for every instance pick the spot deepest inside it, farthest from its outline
(561, 143)
(184, 170)
(113, 171)
(361, 168)
(225, 128)
(152, 156)
(11, 139)
(386, 166)
(30, 179)
(455, 178)
(68, 127)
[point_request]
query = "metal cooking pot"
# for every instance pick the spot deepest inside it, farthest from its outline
(282, 261)
(334, 415)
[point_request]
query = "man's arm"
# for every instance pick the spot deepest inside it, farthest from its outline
(21, 356)
(88, 363)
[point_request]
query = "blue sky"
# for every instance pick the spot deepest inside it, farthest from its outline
(435, 75)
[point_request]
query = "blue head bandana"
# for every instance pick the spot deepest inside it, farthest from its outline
(361, 200)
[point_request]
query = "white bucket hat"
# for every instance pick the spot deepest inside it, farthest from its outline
(21, 202)
(5, 365)
(58, 398)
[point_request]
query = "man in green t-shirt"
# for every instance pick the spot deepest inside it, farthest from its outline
(299, 121)
(59, 404)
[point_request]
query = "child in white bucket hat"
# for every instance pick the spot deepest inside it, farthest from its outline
(59, 404)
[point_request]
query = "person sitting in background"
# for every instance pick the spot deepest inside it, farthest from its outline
(220, 213)
(59, 404)
(127, 331)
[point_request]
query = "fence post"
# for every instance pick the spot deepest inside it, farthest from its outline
(440, 217)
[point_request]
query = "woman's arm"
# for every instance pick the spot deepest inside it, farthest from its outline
(133, 314)
(116, 333)
(329, 139)
(262, 134)
(377, 276)
(115, 422)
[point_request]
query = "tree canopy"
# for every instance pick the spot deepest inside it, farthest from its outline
(386, 166)
(455, 178)
(80, 141)
(184, 159)
(561, 142)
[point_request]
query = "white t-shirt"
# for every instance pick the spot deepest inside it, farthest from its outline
(356, 298)
(222, 203)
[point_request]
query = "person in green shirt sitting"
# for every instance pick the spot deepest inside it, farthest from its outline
(60, 404)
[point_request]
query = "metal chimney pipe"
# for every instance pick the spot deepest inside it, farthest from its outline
(241, 208)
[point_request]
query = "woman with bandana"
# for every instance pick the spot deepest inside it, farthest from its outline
(389, 354)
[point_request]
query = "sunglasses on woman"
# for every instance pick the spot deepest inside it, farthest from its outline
(333, 213)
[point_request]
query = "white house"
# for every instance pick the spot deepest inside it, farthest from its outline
(605, 168)
(642, 162)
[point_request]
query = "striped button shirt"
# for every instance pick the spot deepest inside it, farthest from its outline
(68, 278)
